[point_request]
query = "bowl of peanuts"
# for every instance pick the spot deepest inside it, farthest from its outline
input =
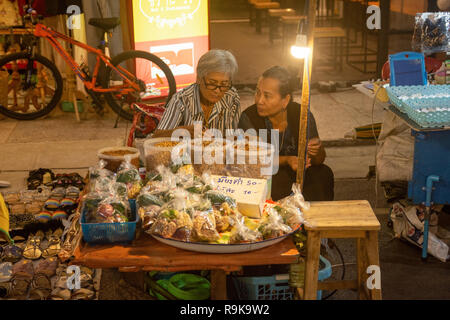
(163, 151)
(114, 156)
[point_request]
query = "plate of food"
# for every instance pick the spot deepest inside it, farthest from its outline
(188, 212)
(221, 248)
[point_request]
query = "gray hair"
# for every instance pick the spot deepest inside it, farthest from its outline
(217, 61)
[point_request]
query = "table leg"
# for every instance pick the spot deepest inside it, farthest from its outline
(373, 260)
(218, 285)
(362, 267)
(258, 21)
(312, 265)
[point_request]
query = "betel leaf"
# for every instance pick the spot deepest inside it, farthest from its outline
(145, 200)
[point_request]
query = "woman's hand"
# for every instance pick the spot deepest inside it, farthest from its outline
(316, 153)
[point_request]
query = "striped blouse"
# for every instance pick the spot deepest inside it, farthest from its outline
(184, 108)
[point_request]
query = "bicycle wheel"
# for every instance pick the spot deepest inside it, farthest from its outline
(30, 87)
(156, 81)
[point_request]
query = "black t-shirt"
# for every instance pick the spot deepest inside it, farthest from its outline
(288, 141)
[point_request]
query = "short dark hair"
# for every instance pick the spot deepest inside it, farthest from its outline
(284, 78)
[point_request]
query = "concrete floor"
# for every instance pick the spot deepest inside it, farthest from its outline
(61, 143)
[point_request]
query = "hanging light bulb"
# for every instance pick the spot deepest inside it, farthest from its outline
(300, 49)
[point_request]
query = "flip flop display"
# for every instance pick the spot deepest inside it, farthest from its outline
(44, 216)
(52, 204)
(30, 269)
(59, 214)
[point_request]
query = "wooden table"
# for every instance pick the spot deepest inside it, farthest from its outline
(148, 254)
(341, 219)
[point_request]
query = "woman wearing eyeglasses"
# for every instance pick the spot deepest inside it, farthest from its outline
(211, 99)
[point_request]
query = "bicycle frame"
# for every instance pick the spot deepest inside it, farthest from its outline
(50, 35)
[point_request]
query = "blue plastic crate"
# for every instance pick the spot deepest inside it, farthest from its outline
(273, 287)
(428, 106)
(104, 233)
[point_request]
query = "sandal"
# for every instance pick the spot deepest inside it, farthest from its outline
(11, 253)
(41, 285)
(5, 271)
(32, 249)
(71, 238)
(60, 292)
(22, 274)
(54, 244)
(83, 294)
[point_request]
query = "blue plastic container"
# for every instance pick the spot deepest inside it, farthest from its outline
(104, 233)
(407, 69)
(274, 287)
(428, 106)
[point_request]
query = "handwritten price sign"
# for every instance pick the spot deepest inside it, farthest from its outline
(250, 194)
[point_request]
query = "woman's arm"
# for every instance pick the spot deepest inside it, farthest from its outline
(171, 117)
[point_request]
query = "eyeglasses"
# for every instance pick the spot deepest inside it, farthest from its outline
(213, 87)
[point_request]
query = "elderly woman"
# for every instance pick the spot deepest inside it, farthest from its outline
(211, 99)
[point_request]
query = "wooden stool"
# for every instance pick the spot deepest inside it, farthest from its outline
(337, 36)
(274, 18)
(341, 219)
(289, 23)
(261, 7)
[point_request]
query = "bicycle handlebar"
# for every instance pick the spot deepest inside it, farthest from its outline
(30, 14)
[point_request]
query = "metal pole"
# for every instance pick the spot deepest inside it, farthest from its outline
(303, 123)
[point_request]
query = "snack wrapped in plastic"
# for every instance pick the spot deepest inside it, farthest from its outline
(226, 217)
(432, 32)
(217, 198)
(112, 210)
(204, 227)
(148, 215)
(169, 221)
(121, 190)
(99, 174)
(105, 207)
(241, 233)
(129, 175)
(272, 225)
(296, 199)
(290, 207)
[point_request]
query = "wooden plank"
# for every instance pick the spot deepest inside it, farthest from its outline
(312, 265)
(150, 253)
(341, 215)
(346, 234)
(218, 285)
(305, 100)
(337, 285)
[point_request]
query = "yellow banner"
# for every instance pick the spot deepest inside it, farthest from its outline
(169, 19)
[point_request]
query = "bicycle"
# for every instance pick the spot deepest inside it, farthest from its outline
(35, 85)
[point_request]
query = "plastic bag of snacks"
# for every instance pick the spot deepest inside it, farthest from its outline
(432, 32)
(110, 210)
(242, 233)
(289, 207)
(100, 178)
(129, 175)
(272, 225)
